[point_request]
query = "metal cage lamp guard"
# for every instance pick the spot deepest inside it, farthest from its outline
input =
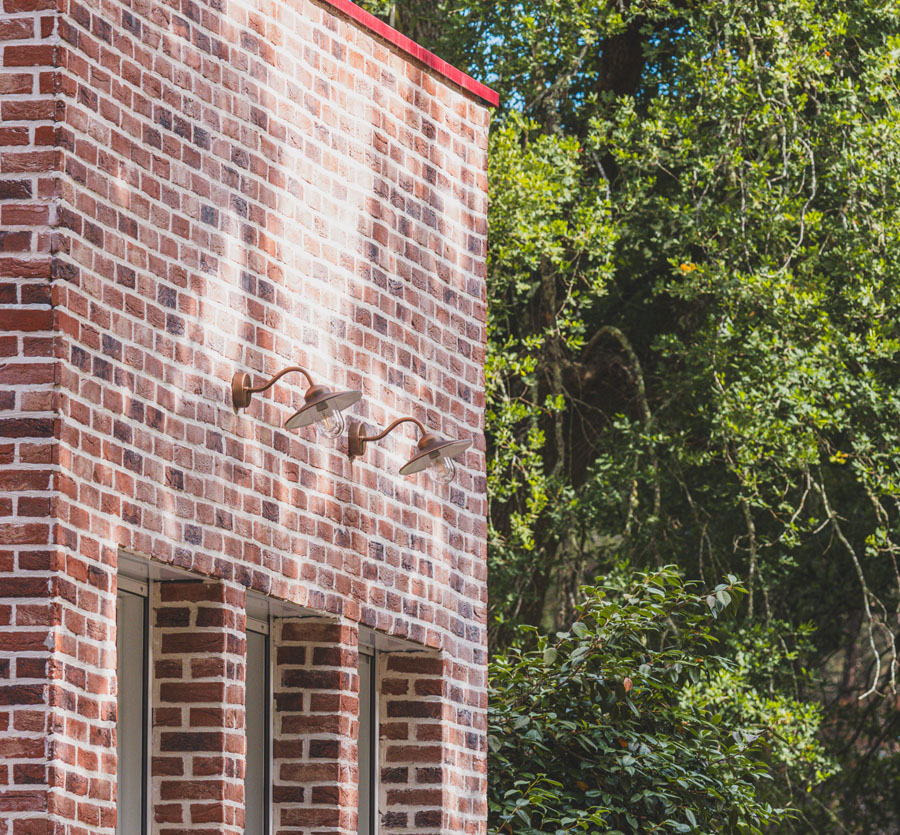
(432, 451)
(322, 407)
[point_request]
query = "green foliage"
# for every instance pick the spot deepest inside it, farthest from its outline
(741, 691)
(590, 730)
(552, 252)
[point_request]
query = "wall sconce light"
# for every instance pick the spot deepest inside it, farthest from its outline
(322, 408)
(432, 451)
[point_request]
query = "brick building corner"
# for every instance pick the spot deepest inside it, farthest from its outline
(189, 190)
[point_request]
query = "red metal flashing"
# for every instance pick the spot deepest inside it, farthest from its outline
(380, 28)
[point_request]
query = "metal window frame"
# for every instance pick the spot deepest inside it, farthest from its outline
(374, 754)
(258, 625)
(263, 627)
(141, 589)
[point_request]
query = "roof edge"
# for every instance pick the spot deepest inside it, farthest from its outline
(409, 46)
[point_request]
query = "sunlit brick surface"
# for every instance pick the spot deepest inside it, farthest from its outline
(188, 190)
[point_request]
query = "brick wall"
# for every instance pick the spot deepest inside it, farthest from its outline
(417, 749)
(187, 190)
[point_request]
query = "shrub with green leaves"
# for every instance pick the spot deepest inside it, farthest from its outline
(589, 731)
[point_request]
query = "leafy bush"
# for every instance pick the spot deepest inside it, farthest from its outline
(588, 731)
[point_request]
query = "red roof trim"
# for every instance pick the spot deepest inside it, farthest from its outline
(380, 28)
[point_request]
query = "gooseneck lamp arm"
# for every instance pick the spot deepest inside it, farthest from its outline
(242, 391)
(387, 431)
(279, 375)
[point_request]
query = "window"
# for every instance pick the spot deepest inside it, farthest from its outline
(256, 774)
(131, 726)
(368, 744)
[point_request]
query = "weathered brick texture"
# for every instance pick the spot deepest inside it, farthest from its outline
(29, 427)
(189, 189)
(432, 732)
(198, 662)
(316, 704)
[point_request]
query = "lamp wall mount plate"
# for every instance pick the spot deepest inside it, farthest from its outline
(240, 391)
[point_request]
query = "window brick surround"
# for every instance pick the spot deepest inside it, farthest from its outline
(189, 189)
(198, 661)
(316, 686)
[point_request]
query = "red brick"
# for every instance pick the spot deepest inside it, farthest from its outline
(16, 83)
(29, 56)
(202, 741)
(26, 320)
(12, 6)
(18, 111)
(38, 215)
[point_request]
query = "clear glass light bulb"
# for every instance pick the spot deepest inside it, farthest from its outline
(443, 470)
(330, 424)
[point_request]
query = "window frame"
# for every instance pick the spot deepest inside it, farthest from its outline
(262, 626)
(140, 589)
(374, 754)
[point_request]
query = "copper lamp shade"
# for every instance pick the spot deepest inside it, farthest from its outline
(319, 400)
(432, 451)
(322, 408)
